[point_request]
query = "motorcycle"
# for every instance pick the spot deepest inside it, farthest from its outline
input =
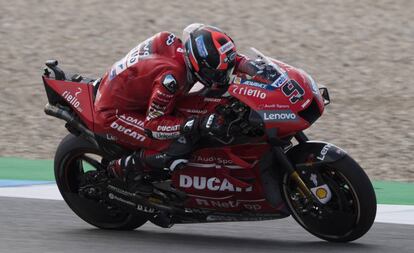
(264, 167)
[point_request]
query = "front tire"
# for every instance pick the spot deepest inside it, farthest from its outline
(71, 155)
(351, 211)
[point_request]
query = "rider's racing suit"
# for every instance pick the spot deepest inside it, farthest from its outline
(136, 98)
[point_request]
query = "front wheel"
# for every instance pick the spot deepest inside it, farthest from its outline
(350, 212)
(76, 158)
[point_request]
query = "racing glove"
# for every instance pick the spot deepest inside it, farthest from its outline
(211, 124)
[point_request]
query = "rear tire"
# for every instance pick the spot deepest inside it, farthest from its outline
(356, 203)
(68, 171)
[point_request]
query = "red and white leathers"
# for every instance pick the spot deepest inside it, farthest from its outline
(136, 98)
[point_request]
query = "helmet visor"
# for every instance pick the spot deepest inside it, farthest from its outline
(215, 76)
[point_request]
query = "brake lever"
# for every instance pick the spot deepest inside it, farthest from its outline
(223, 141)
(231, 124)
(231, 138)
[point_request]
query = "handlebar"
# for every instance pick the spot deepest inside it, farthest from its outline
(239, 120)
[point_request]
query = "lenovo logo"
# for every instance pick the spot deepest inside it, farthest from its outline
(282, 115)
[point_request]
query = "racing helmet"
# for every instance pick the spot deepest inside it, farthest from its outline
(209, 53)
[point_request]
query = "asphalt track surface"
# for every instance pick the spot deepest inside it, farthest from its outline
(30, 225)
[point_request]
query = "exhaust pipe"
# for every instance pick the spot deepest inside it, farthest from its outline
(71, 120)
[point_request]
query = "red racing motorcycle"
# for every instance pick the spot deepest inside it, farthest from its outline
(264, 167)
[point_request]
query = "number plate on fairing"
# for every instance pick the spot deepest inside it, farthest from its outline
(280, 107)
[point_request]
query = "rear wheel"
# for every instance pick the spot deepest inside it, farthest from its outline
(351, 211)
(75, 159)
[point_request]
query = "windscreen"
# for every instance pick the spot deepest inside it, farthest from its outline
(280, 78)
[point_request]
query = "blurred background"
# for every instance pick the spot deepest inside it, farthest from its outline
(363, 51)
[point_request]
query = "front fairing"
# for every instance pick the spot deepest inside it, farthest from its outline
(290, 104)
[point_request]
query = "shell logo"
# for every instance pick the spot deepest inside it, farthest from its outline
(321, 193)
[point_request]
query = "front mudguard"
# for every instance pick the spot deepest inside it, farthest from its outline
(314, 153)
(303, 155)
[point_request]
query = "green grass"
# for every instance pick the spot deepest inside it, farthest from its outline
(397, 193)
(388, 192)
(26, 169)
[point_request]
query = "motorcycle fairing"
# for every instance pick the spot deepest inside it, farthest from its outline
(77, 95)
(291, 107)
(227, 180)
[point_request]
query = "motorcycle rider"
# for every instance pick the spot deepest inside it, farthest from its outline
(136, 98)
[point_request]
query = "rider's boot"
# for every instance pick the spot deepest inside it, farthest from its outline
(129, 169)
(173, 158)
(157, 165)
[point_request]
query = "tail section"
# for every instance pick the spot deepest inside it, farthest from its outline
(76, 93)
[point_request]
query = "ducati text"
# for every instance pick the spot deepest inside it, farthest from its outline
(212, 184)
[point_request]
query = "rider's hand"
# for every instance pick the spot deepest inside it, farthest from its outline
(212, 124)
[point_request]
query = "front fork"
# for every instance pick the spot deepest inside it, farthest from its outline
(281, 159)
(287, 165)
